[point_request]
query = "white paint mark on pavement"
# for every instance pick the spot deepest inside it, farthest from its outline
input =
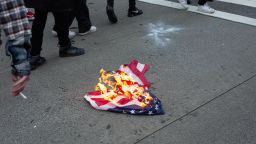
(158, 32)
(218, 14)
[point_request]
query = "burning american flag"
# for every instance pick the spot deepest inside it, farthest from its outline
(125, 91)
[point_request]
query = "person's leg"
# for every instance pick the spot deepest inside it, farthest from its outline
(37, 38)
(204, 7)
(110, 3)
(133, 10)
(69, 20)
(62, 28)
(202, 2)
(38, 32)
(110, 11)
(17, 35)
(83, 19)
(132, 4)
(71, 34)
(16, 28)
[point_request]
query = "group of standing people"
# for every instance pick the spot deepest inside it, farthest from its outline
(25, 49)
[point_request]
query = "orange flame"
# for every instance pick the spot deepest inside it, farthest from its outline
(112, 84)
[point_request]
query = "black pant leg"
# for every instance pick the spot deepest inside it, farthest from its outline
(62, 27)
(202, 2)
(83, 17)
(71, 18)
(38, 31)
(132, 4)
(110, 3)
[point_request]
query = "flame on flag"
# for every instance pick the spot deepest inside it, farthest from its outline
(125, 90)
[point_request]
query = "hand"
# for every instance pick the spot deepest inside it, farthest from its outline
(19, 84)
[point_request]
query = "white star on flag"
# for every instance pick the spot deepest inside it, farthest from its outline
(156, 107)
(132, 111)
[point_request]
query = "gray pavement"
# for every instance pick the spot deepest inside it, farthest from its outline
(202, 68)
(228, 119)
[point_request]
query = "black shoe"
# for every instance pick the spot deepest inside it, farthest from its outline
(70, 51)
(134, 12)
(111, 14)
(36, 61)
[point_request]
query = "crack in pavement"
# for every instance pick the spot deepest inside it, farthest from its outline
(195, 109)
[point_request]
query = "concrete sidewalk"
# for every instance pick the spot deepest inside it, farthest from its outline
(202, 68)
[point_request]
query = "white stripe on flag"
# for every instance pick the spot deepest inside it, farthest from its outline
(140, 67)
(132, 102)
(128, 71)
(103, 107)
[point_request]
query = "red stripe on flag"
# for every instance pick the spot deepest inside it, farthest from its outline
(94, 93)
(133, 67)
(100, 101)
(123, 101)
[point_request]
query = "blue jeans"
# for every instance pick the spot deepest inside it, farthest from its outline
(18, 50)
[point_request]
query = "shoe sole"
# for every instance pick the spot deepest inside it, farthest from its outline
(68, 55)
(82, 34)
(33, 67)
(133, 15)
(205, 12)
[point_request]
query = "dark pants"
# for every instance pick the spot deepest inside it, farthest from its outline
(81, 13)
(202, 2)
(82, 16)
(61, 22)
(132, 4)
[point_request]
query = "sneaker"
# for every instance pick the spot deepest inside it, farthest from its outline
(111, 14)
(183, 3)
(70, 51)
(71, 34)
(36, 61)
(30, 15)
(134, 12)
(205, 9)
(91, 30)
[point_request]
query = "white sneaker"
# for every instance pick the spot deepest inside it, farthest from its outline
(91, 30)
(205, 9)
(71, 34)
(183, 3)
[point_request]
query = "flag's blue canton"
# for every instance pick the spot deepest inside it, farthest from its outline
(155, 108)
